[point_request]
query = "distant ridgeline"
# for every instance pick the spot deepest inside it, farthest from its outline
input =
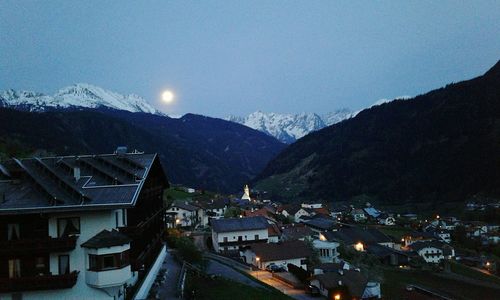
(442, 146)
(201, 152)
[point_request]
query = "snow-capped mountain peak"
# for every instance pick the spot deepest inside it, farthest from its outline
(81, 95)
(290, 127)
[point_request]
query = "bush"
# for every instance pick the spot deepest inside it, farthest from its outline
(300, 273)
(171, 237)
(188, 251)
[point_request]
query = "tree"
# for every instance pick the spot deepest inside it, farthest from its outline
(312, 260)
(232, 212)
(188, 250)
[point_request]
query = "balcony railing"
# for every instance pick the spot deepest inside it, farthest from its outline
(44, 282)
(37, 245)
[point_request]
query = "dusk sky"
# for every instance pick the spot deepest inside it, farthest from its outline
(235, 57)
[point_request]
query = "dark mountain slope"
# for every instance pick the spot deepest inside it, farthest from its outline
(192, 149)
(441, 146)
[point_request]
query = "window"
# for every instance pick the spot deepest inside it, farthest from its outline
(256, 237)
(225, 239)
(14, 268)
(13, 232)
(68, 226)
(63, 264)
(124, 217)
(117, 217)
(108, 261)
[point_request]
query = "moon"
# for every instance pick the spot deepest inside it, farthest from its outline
(167, 96)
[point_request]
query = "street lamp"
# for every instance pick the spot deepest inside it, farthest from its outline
(337, 297)
(257, 259)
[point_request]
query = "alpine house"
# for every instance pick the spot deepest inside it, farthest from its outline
(83, 227)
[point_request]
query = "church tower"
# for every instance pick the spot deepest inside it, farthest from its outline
(246, 193)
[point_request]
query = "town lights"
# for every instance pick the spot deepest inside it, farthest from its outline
(337, 297)
(359, 247)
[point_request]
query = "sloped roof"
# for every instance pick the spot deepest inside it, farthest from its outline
(239, 224)
(372, 212)
(353, 235)
(321, 223)
(185, 205)
(48, 183)
(106, 239)
(417, 246)
(273, 230)
(281, 251)
(296, 232)
(354, 280)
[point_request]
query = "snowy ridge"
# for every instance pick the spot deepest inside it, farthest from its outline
(79, 95)
(289, 127)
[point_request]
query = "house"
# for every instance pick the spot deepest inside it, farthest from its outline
(432, 251)
(213, 209)
(264, 212)
(388, 256)
(343, 282)
(79, 226)
(358, 215)
(230, 235)
(416, 236)
(296, 212)
(358, 238)
(442, 235)
(327, 250)
(281, 254)
(296, 231)
(371, 212)
(312, 205)
(320, 224)
(274, 233)
(186, 214)
(385, 219)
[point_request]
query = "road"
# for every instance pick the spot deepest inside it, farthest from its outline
(168, 289)
(219, 269)
(267, 278)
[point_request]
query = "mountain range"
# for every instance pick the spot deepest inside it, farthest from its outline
(196, 151)
(79, 95)
(442, 146)
(289, 127)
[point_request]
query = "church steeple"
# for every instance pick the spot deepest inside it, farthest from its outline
(246, 193)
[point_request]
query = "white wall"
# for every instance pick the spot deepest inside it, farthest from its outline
(249, 235)
(250, 258)
(91, 223)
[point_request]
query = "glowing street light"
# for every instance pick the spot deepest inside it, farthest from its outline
(257, 259)
(337, 297)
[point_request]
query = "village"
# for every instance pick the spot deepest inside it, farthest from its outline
(313, 249)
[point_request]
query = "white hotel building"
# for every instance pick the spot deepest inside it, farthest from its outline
(79, 227)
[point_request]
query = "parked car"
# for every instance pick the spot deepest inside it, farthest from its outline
(273, 268)
(312, 290)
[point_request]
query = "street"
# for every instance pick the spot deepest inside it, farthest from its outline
(267, 278)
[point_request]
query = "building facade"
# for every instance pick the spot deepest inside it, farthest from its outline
(83, 227)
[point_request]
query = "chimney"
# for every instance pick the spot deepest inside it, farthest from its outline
(76, 173)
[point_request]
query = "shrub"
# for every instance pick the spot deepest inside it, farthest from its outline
(300, 273)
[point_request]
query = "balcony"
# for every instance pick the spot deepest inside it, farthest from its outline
(45, 282)
(37, 245)
(108, 278)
